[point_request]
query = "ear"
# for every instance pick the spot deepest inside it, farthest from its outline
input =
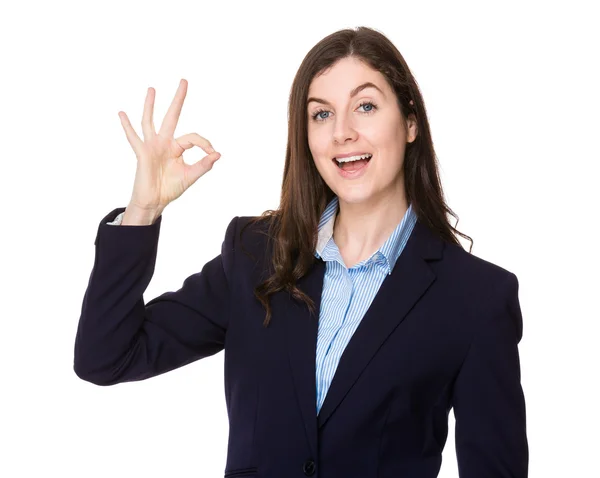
(412, 129)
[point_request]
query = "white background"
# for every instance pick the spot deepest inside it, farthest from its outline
(512, 99)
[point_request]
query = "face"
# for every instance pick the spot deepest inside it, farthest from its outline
(344, 117)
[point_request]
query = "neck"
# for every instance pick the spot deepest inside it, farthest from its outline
(360, 229)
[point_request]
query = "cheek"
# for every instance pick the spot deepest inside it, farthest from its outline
(387, 140)
(319, 147)
(383, 133)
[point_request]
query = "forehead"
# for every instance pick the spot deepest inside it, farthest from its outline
(342, 77)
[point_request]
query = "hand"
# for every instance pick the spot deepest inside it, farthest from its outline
(162, 175)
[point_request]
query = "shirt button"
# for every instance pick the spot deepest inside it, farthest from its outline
(309, 467)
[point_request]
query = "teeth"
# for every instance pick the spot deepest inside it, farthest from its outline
(353, 158)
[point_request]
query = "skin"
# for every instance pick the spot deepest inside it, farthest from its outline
(372, 206)
(162, 175)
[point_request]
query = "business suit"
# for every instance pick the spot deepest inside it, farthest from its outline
(442, 332)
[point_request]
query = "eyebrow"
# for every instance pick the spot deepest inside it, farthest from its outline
(353, 93)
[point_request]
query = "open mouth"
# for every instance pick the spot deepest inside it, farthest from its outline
(352, 164)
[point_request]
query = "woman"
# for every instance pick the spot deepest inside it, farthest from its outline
(351, 318)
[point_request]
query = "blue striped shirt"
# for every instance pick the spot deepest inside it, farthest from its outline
(348, 293)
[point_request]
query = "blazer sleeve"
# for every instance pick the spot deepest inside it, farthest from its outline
(119, 337)
(488, 400)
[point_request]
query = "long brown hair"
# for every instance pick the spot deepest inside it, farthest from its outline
(293, 228)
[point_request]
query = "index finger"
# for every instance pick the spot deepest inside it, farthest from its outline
(167, 128)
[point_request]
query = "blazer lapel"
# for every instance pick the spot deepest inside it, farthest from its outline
(410, 279)
(302, 329)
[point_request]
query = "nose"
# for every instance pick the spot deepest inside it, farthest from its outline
(343, 130)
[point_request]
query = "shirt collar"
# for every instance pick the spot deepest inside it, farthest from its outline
(385, 256)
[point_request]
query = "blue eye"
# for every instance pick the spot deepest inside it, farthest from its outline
(318, 113)
(368, 104)
(319, 119)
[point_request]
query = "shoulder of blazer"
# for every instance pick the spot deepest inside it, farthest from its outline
(490, 287)
(252, 232)
(456, 256)
(251, 238)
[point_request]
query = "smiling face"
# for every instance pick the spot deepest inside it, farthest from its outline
(351, 108)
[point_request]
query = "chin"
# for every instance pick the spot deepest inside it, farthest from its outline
(352, 195)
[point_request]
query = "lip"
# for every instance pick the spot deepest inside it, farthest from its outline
(352, 174)
(347, 155)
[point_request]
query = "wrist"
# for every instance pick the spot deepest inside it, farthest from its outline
(136, 216)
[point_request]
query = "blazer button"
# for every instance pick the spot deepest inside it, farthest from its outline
(309, 468)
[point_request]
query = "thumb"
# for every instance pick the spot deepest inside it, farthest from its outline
(201, 167)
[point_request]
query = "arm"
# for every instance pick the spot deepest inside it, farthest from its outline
(488, 400)
(119, 338)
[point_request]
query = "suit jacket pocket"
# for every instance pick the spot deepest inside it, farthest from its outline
(245, 472)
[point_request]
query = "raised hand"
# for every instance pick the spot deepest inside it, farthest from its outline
(162, 175)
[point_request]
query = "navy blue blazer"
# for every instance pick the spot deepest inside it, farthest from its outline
(442, 333)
